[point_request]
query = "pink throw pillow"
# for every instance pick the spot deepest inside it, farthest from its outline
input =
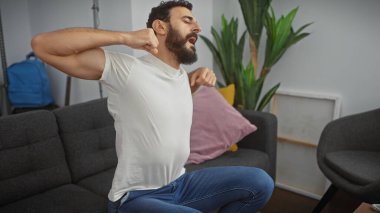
(216, 126)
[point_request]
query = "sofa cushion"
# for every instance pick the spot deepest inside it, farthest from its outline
(32, 158)
(243, 157)
(100, 183)
(65, 199)
(88, 136)
(360, 167)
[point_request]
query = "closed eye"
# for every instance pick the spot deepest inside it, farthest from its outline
(188, 19)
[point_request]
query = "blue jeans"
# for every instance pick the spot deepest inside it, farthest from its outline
(229, 189)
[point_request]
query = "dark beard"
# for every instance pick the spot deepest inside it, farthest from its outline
(177, 45)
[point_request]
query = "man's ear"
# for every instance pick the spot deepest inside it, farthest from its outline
(159, 27)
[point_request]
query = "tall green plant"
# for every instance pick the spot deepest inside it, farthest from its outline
(228, 50)
(280, 34)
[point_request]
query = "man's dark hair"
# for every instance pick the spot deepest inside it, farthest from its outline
(161, 12)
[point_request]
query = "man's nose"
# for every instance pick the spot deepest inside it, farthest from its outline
(197, 28)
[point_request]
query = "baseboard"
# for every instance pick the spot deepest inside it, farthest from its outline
(298, 191)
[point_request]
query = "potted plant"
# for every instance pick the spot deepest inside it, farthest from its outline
(228, 50)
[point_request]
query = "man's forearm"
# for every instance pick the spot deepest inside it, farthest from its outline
(75, 40)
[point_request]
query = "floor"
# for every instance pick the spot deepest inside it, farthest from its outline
(284, 201)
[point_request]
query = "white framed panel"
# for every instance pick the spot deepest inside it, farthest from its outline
(301, 119)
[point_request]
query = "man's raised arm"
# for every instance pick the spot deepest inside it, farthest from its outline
(77, 52)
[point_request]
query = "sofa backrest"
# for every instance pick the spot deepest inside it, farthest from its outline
(88, 135)
(32, 158)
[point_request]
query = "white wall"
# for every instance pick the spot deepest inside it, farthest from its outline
(16, 29)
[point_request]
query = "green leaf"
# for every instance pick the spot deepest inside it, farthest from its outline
(280, 35)
(253, 13)
(253, 93)
(241, 44)
(283, 31)
(303, 27)
(297, 39)
(224, 22)
(267, 97)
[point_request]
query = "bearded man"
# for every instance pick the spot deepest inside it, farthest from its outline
(150, 100)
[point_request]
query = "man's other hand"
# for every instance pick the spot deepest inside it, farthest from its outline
(201, 77)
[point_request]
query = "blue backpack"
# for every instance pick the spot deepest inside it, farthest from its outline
(28, 84)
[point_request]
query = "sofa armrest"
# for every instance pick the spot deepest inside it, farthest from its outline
(264, 138)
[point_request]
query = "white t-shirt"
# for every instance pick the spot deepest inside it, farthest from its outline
(151, 104)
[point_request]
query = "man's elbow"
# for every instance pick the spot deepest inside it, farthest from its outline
(37, 44)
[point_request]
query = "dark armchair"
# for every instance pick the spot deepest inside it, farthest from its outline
(348, 154)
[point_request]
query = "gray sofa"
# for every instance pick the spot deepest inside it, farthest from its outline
(64, 160)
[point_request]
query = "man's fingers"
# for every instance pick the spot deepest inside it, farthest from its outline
(214, 81)
(144, 39)
(152, 44)
(151, 50)
(200, 80)
(192, 82)
(203, 76)
(194, 79)
(154, 51)
(152, 38)
(210, 78)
